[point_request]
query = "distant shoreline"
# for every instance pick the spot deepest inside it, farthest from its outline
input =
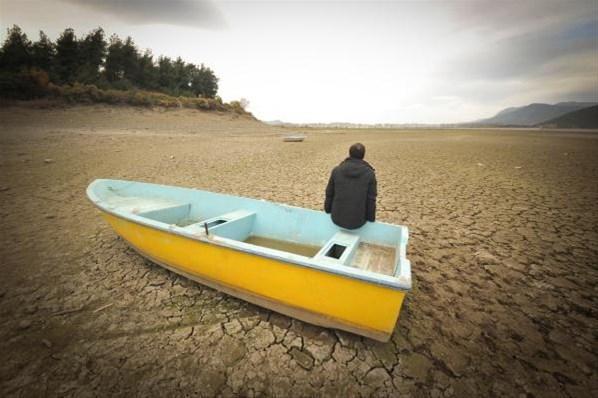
(53, 104)
(431, 127)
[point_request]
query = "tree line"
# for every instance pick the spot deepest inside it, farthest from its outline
(107, 64)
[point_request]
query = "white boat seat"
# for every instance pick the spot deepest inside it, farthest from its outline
(138, 205)
(340, 249)
(233, 225)
(167, 214)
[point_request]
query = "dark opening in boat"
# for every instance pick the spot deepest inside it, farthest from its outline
(212, 224)
(336, 251)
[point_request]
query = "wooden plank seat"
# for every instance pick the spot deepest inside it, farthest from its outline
(375, 258)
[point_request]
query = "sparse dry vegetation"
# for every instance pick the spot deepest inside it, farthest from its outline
(35, 84)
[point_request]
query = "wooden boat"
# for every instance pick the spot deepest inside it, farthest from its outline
(291, 260)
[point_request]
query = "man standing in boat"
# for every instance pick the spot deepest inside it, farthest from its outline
(351, 191)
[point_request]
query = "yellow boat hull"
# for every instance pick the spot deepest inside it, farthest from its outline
(308, 294)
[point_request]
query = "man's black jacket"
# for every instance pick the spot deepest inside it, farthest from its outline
(351, 194)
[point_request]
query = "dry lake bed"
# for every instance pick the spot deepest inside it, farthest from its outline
(504, 251)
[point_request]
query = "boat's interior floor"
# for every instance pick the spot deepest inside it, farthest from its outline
(374, 258)
(290, 247)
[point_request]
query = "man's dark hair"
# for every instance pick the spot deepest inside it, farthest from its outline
(357, 151)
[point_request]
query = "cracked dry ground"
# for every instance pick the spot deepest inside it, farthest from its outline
(504, 244)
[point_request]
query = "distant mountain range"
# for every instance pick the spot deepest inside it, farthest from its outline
(583, 115)
(533, 114)
(586, 118)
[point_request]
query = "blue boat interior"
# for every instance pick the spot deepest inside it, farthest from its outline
(295, 234)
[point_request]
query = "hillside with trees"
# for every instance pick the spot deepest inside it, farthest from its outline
(92, 68)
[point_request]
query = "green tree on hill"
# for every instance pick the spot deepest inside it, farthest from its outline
(43, 52)
(129, 59)
(114, 69)
(91, 60)
(204, 82)
(181, 79)
(147, 73)
(165, 73)
(67, 58)
(122, 66)
(92, 52)
(16, 51)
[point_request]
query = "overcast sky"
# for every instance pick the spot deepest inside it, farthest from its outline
(363, 62)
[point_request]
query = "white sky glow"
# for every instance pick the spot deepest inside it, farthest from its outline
(361, 62)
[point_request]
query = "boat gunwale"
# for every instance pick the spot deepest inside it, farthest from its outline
(402, 282)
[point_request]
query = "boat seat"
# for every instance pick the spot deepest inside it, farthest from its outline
(233, 225)
(139, 205)
(167, 214)
(340, 249)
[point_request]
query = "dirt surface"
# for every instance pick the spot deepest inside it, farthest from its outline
(504, 249)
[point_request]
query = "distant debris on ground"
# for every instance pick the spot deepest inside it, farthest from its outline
(296, 137)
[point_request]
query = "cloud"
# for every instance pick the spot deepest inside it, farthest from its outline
(516, 39)
(526, 54)
(514, 17)
(524, 51)
(191, 13)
